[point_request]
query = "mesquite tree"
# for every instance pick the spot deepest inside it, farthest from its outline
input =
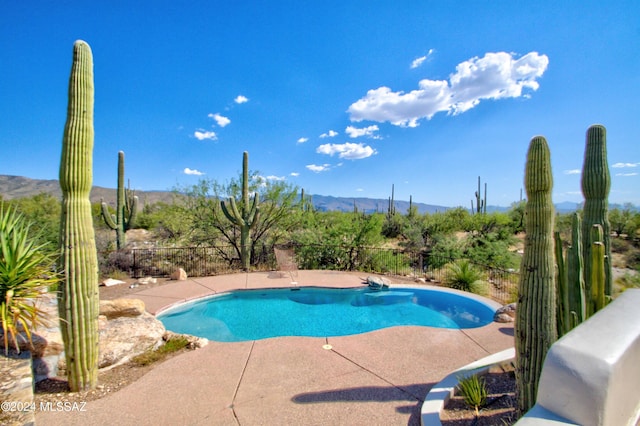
(78, 299)
(535, 328)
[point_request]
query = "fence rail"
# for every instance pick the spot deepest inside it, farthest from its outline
(206, 261)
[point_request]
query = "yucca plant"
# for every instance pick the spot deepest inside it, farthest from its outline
(24, 274)
(462, 275)
(474, 391)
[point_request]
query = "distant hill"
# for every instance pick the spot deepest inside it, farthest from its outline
(368, 205)
(18, 186)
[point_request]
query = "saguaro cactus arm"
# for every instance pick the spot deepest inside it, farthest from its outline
(78, 297)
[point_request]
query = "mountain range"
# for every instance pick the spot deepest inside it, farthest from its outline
(18, 186)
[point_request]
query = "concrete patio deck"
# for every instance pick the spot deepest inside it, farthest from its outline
(376, 378)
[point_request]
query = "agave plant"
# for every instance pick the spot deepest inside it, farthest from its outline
(462, 275)
(24, 275)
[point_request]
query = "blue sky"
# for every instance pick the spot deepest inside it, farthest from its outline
(343, 98)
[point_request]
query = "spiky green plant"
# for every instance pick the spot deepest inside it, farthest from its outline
(535, 328)
(596, 183)
(126, 208)
(78, 298)
(474, 391)
(462, 275)
(246, 217)
(25, 272)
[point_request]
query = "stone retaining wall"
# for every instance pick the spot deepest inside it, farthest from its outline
(16, 390)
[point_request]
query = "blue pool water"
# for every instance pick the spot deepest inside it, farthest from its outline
(321, 312)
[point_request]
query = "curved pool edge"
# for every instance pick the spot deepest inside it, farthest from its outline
(483, 303)
(491, 304)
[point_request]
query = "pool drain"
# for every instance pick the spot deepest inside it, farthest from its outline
(327, 347)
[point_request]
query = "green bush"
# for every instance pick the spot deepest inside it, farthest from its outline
(462, 275)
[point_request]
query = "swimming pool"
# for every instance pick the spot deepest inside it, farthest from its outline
(243, 315)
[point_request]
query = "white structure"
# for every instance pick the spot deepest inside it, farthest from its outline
(591, 376)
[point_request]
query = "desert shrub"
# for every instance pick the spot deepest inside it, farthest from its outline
(632, 259)
(116, 264)
(170, 346)
(620, 245)
(474, 391)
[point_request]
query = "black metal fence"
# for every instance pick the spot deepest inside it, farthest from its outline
(206, 261)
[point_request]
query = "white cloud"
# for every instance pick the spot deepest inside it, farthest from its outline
(294, 174)
(369, 131)
(494, 76)
(626, 174)
(622, 165)
(329, 134)
(572, 172)
(317, 169)
(302, 140)
(275, 178)
(188, 171)
(241, 99)
(349, 151)
(203, 134)
(419, 61)
(221, 120)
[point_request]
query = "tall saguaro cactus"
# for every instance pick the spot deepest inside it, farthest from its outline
(78, 298)
(535, 328)
(126, 208)
(596, 183)
(246, 217)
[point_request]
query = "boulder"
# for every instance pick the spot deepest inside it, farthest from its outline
(121, 308)
(147, 280)
(110, 282)
(506, 314)
(124, 337)
(179, 275)
(378, 282)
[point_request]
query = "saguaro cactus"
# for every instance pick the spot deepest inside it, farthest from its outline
(571, 298)
(481, 204)
(78, 298)
(596, 183)
(246, 217)
(535, 328)
(126, 208)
